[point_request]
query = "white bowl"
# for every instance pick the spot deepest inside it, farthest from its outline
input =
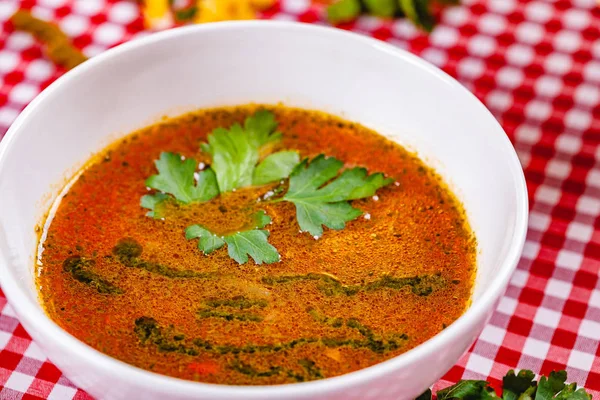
(358, 78)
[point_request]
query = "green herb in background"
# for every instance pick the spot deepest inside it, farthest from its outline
(343, 11)
(381, 8)
(521, 386)
(186, 14)
(417, 11)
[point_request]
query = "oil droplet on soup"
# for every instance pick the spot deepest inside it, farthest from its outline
(134, 288)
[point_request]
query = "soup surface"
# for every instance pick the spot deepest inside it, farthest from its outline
(134, 287)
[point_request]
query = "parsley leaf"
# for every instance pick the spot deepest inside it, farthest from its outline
(570, 392)
(521, 386)
(467, 390)
(554, 388)
(252, 242)
(209, 241)
(550, 386)
(425, 396)
(275, 167)
(176, 177)
(153, 202)
(516, 385)
(318, 205)
(580, 394)
(236, 151)
(261, 128)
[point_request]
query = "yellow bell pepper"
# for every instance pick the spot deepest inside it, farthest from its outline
(223, 10)
(157, 13)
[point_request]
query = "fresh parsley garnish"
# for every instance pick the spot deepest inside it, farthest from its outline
(319, 191)
(153, 202)
(236, 151)
(521, 386)
(250, 242)
(322, 200)
(176, 176)
(275, 167)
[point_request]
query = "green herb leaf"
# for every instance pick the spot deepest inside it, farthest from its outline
(418, 12)
(153, 203)
(252, 242)
(426, 19)
(186, 14)
(208, 243)
(343, 11)
(275, 167)
(427, 395)
(516, 385)
(521, 386)
(467, 390)
(328, 205)
(176, 177)
(550, 386)
(312, 216)
(570, 392)
(529, 393)
(261, 128)
(409, 9)
(381, 8)
(236, 151)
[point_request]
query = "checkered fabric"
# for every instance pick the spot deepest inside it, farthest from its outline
(534, 63)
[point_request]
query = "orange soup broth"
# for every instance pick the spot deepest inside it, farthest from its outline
(412, 227)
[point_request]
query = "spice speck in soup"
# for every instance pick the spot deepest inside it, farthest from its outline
(256, 245)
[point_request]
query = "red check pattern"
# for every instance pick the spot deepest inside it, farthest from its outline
(534, 63)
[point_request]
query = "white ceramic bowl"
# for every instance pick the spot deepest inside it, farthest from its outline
(355, 77)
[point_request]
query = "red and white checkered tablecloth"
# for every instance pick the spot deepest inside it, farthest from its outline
(534, 63)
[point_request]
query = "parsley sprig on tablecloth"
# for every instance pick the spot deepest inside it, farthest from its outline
(521, 386)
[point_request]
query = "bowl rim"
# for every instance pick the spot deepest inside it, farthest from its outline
(32, 312)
